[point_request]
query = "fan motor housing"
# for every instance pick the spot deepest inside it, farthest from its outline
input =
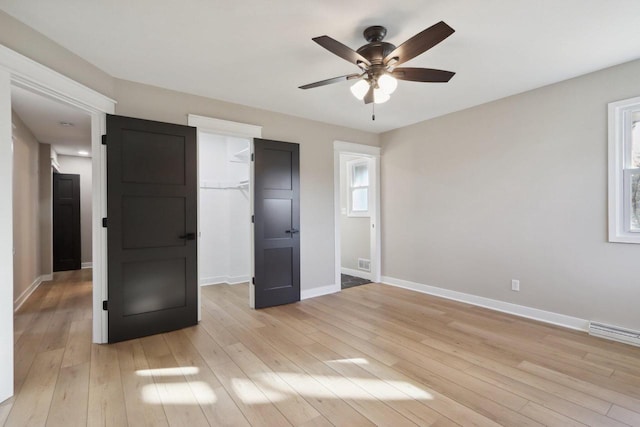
(375, 52)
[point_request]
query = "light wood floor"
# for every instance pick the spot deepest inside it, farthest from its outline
(370, 355)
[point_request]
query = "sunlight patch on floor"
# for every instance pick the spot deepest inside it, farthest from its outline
(168, 372)
(250, 394)
(334, 387)
(178, 393)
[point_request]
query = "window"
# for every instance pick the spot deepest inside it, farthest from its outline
(624, 171)
(358, 187)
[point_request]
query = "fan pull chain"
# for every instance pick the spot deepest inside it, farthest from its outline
(373, 111)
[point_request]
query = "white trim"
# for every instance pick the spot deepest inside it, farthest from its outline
(219, 280)
(339, 148)
(27, 292)
(317, 292)
(6, 243)
(492, 304)
(86, 265)
(620, 132)
(28, 74)
(350, 147)
(224, 127)
(357, 273)
(243, 130)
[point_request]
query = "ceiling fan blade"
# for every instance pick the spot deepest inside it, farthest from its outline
(341, 50)
(420, 43)
(368, 98)
(330, 81)
(422, 75)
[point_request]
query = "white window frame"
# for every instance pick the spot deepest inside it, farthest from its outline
(351, 165)
(620, 171)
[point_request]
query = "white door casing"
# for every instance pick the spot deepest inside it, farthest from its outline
(20, 71)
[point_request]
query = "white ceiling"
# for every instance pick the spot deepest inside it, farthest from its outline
(257, 52)
(43, 116)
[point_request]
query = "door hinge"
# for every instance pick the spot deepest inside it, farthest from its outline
(105, 305)
(252, 157)
(104, 222)
(104, 139)
(253, 219)
(253, 280)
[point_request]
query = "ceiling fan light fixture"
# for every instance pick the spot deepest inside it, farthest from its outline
(360, 89)
(379, 96)
(387, 83)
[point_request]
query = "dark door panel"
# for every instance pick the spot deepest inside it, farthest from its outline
(66, 222)
(277, 222)
(152, 216)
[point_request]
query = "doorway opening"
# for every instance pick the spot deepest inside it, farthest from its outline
(52, 189)
(225, 204)
(224, 210)
(357, 209)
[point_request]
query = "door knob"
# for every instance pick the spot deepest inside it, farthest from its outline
(292, 231)
(188, 236)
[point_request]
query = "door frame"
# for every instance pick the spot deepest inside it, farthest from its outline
(216, 126)
(19, 71)
(372, 153)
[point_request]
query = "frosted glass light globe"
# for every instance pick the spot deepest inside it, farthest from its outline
(360, 89)
(387, 83)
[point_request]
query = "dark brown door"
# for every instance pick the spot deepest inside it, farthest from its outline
(152, 218)
(66, 222)
(277, 222)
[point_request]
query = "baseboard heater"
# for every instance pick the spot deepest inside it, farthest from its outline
(614, 333)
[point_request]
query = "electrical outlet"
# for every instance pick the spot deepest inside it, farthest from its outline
(515, 285)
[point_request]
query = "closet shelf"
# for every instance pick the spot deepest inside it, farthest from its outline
(241, 156)
(236, 185)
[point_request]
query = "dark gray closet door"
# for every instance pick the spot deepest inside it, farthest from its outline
(66, 222)
(277, 222)
(152, 219)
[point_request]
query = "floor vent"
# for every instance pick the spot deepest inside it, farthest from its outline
(615, 333)
(364, 264)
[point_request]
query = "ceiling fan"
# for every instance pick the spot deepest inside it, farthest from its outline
(378, 62)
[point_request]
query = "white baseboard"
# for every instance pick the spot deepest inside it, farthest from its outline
(47, 277)
(505, 307)
(316, 292)
(27, 292)
(87, 265)
(357, 273)
(229, 280)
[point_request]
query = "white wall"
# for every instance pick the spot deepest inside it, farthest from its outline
(514, 189)
(224, 246)
(355, 233)
(78, 165)
(26, 212)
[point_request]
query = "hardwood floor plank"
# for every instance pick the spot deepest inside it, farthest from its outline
(253, 403)
(106, 396)
(625, 415)
(548, 417)
(69, 404)
(217, 406)
(31, 405)
(78, 346)
(180, 404)
(141, 397)
(286, 399)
